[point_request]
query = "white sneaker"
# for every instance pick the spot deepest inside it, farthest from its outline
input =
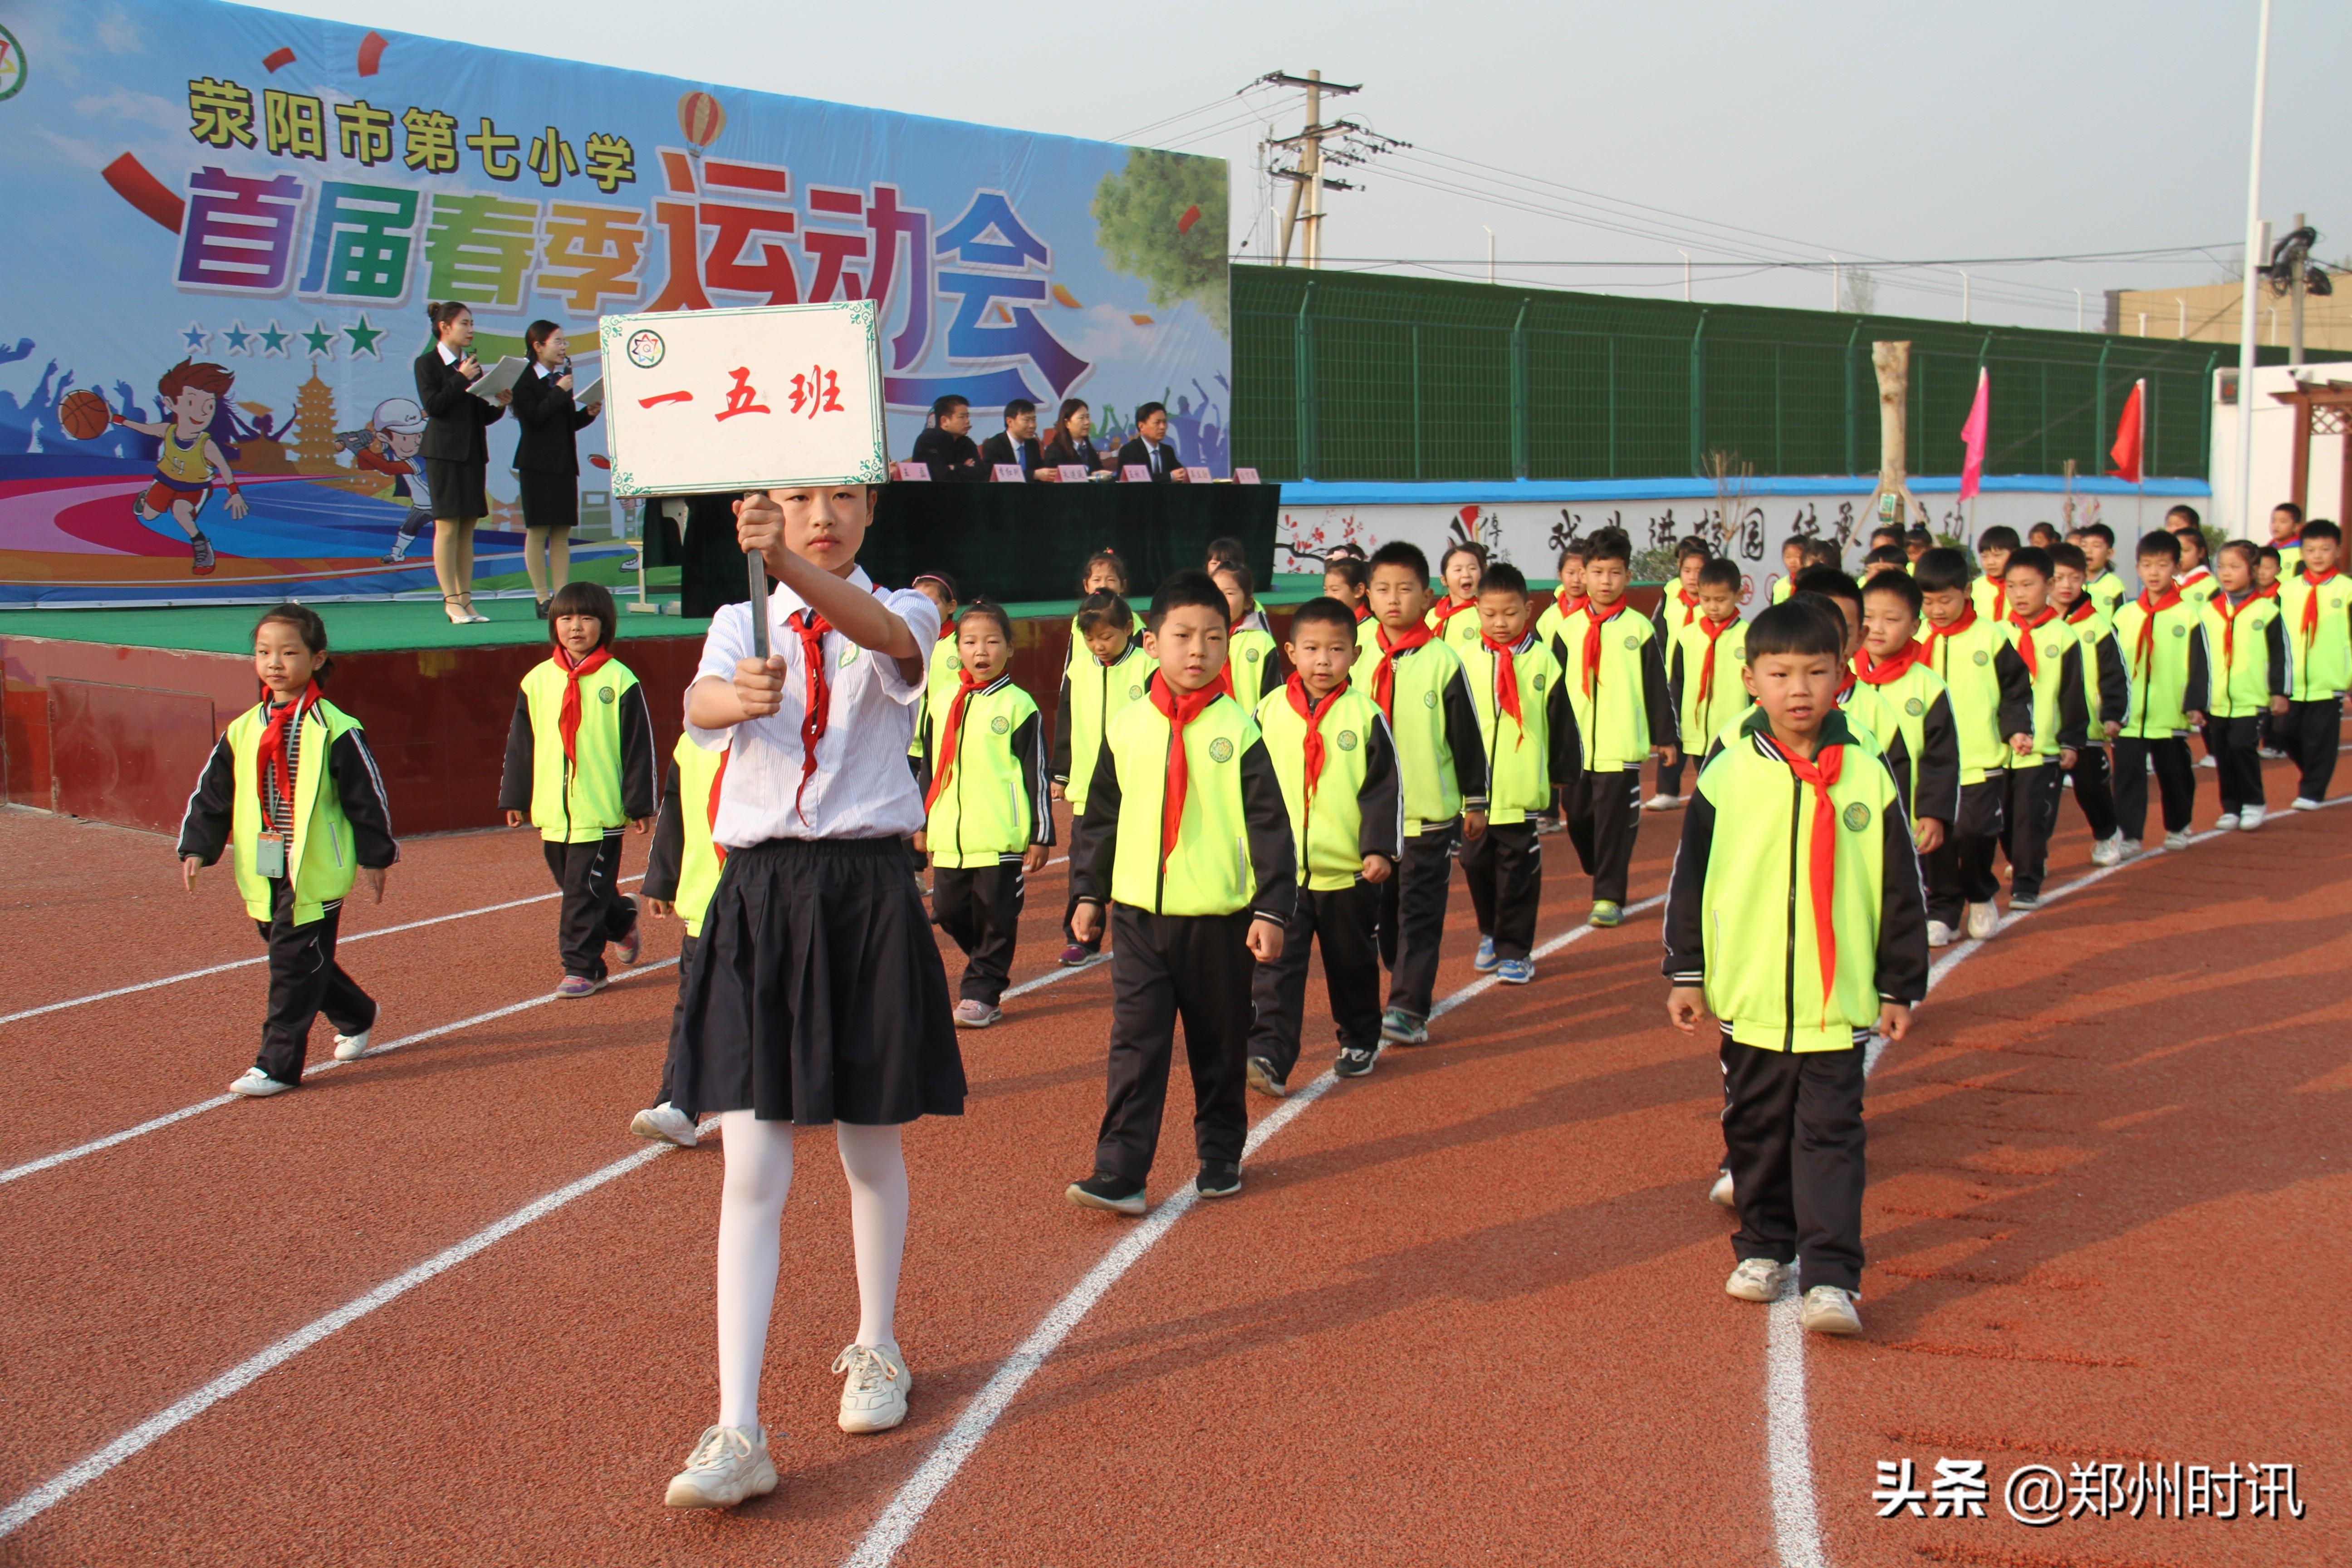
(1721, 1192)
(1661, 803)
(2252, 818)
(255, 1084)
(2177, 840)
(2108, 851)
(2207, 762)
(729, 1465)
(351, 1047)
(2226, 821)
(874, 1399)
(2304, 802)
(2131, 848)
(1941, 935)
(1757, 1279)
(664, 1123)
(1830, 1311)
(1982, 920)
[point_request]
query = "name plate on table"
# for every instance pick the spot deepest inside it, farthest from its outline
(1135, 474)
(1194, 475)
(1010, 474)
(1070, 473)
(916, 472)
(760, 397)
(1244, 475)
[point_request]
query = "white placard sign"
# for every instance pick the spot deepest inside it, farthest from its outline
(1196, 475)
(757, 398)
(1070, 473)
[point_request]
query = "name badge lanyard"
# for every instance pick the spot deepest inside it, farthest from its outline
(270, 847)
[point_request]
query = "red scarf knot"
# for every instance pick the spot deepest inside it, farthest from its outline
(1887, 671)
(1689, 603)
(816, 697)
(1714, 630)
(1451, 608)
(1821, 774)
(1507, 684)
(1596, 618)
(2025, 630)
(1957, 629)
(2314, 580)
(270, 758)
(2084, 608)
(2144, 647)
(1385, 673)
(567, 719)
(946, 754)
(1305, 707)
(1568, 603)
(1178, 712)
(2230, 614)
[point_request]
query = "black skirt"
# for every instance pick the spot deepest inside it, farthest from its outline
(459, 489)
(817, 992)
(549, 500)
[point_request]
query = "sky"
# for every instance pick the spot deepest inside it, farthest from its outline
(1620, 136)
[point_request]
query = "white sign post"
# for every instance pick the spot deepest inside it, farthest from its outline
(765, 397)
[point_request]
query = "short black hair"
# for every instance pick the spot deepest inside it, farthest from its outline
(989, 608)
(2270, 553)
(1886, 555)
(2039, 529)
(2320, 528)
(1502, 577)
(2292, 508)
(947, 403)
(1352, 570)
(584, 599)
(1902, 585)
(1886, 533)
(310, 626)
(2184, 510)
(2070, 556)
(1720, 572)
(1183, 590)
(2099, 531)
(1572, 551)
(1918, 534)
(2000, 536)
(1401, 552)
(1323, 610)
(1822, 553)
(1796, 627)
(1147, 411)
(1226, 549)
(1690, 544)
(2164, 543)
(1942, 569)
(1016, 406)
(2196, 536)
(2034, 558)
(1608, 545)
(1828, 583)
(1101, 610)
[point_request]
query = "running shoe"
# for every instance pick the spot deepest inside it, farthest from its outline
(1076, 954)
(633, 946)
(2018, 901)
(1106, 1193)
(2129, 848)
(1661, 803)
(579, 985)
(1757, 1279)
(1400, 1028)
(727, 1466)
(1941, 935)
(664, 1123)
(1218, 1179)
(2108, 851)
(1486, 961)
(255, 1084)
(1516, 971)
(2252, 818)
(2304, 802)
(976, 1015)
(1981, 922)
(2177, 840)
(1830, 1311)
(351, 1047)
(204, 559)
(1266, 1081)
(2226, 822)
(1355, 1061)
(1720, 1193)
(874, 1394)
(1605, 914)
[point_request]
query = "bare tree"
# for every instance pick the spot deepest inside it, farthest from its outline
(1893, 364)
(1731, 474)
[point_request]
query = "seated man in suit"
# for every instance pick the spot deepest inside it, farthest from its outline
(1017, 443)
(946, 446)
(1151, 448)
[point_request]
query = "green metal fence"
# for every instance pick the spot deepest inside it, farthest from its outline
(1350, 376)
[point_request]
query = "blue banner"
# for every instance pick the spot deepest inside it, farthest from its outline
(226, 224)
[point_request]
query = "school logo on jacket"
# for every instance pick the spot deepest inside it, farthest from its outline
(1000, 725)
(1429, 700)
(1914, 707)
(1857, 817)
(1983, 658)
(2050, 650)
(1250, 654)
(604, 695)
(848, 655)
(1134, 691)
(1539, 681)
(1347, 739)
(1632, 641)
(1221, 750)
(2178, 630)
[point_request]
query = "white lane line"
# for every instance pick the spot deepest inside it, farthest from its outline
(80, 1151)
(340, 943)
(899, 1521)
(1796, 1523)
(59, 1487)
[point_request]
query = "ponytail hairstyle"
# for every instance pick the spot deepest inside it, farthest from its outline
(307, 626)
(1110, 558)
(441, 312)
(988, 609)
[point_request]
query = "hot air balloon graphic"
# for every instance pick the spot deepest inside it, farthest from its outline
(701, 118)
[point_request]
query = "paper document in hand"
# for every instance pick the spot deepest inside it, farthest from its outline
(499, 377)
(763, 397)
(592, 393)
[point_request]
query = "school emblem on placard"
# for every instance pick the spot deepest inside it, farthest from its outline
(1347, 739)
(1914, 707)
(604, 694)
(1429, 700)
(1857, 817)
(1983, 658)
(1000, 725)
(1221, 750)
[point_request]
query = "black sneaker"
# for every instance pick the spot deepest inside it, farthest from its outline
(1266, 1081)
(1355, 1061)
(1218, 1179)
(1101, 1192)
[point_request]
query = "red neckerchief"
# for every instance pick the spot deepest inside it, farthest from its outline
(1304, 706)
(1362, 614)
(1180, 711)
(567, 719)
(269, 757)
(1225, 676)
(1999, 601)
(1506, 683)
(2025, 638)
(947, 629)
(2270, 593)
(1820, 773)
(2084, 608)
(1957, 629)
(1690, 604)
(718, 782)
(2190, 579)
(2144, 650)
(2314, 580)
(1451, 608)
(1887, 671)
(1594, 621)
(2230, 614)
(1714, 630)
(817, 701)
(1385, 673)
(965, 687)
(1568, 606)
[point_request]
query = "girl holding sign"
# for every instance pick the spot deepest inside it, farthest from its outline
(817, 995)
(457, 456)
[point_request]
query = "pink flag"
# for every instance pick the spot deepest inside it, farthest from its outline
(2131, 431)
(1973, 436)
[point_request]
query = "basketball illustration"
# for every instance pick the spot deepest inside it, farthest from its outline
(84, 414)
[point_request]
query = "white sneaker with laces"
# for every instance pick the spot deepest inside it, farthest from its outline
(2131, 848)
(1982, 920)
(255, 1084)
(351, 1047)
(2252, 818)
(1720, 1193)
(1941, 935)
(2177, 840)
(1830, 1311)
(729, 1465)
(2304, 802)
(2226, 822)
(874, 1399)
(1757, 1279)
(664, 1123)
(2108, 851)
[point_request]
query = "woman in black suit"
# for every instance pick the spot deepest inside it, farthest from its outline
(456, 457)
(1073, 439)
(547, 458)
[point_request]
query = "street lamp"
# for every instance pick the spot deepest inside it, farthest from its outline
(1490, 254)
(1685, 256)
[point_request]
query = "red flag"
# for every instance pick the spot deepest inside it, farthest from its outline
(2129, 431)
(1972, 437)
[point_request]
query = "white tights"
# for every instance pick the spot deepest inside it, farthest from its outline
(750, 1214)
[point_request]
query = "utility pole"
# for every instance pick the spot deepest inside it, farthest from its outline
(2252, 276)
(1306, 182)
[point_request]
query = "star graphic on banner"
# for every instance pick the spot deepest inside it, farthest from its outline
(196, 337)
(238, 340)
(274, 339)
(363, 338)
(321, 339)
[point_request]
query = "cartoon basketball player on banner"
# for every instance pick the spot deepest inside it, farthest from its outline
(191, 461)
